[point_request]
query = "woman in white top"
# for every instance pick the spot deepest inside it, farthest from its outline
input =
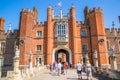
(88, 71)
(59, 68)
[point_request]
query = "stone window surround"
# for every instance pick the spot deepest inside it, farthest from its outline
(39, 33)
(65, 26)
(85, 31)
(38, 47)
(86, 45)
(1, 47)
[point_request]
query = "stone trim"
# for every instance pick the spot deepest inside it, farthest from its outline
(104, 64)
(98, 35)
(48, 54)
(62, 47)
(102, 52)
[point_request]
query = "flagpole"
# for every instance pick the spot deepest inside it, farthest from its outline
(119, 19)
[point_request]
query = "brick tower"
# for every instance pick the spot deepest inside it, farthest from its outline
(98, 36)
(28, 19)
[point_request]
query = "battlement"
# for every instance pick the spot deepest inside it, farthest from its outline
(108, 30)
(27, 11)
(95, 10)
(40, 24)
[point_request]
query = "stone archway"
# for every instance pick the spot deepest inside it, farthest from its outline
(62, 52)
(61, 56)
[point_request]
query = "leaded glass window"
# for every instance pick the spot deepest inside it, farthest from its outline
(83, 33)
(39, 33)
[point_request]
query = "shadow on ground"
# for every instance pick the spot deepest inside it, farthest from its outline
(75, 79)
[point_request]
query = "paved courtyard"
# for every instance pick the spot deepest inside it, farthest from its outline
(45, 75)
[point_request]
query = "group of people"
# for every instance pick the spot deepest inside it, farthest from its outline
(86, 68)
(60, 67)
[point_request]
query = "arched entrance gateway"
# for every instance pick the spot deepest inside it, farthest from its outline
(62, 54)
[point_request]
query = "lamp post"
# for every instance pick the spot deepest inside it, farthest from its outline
(112, 56)
(95, 58)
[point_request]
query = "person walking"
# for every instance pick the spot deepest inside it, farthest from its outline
(70, 65)
(88, 71)
(79, 70)
(65, 67)
(54, 63)
(51, 68)
(56, 68)
(62, 68)
(59, 68)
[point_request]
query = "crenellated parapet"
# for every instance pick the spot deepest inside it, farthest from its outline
(95, 10)
(31, 13)
(40, 24)
(89, 13)
(112, 32)
(27, 11)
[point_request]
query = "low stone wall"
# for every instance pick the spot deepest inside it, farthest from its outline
(118, 67)
(25, 74)
(106, 74)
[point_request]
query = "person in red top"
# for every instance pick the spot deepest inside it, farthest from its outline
(65, 66)
(54, 65)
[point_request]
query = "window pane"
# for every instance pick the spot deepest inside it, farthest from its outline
(39, 47)
(58, 27)
(83, 33)
(64, 26)
(84, 47)
(61, 28)
(60, 32)
(39, 33)
(3, 47)
(64, 32)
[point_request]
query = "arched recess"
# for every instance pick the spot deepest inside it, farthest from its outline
(62, 48)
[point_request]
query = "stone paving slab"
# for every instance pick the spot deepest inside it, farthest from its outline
(46, 75)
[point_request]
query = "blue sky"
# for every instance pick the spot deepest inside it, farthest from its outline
(10, 9)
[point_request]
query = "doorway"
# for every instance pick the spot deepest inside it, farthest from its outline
(62, 56)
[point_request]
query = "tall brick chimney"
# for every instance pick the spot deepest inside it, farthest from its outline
(2, 24)
(49, 33)
(74, 41)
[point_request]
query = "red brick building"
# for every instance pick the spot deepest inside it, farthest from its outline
(63, 38)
